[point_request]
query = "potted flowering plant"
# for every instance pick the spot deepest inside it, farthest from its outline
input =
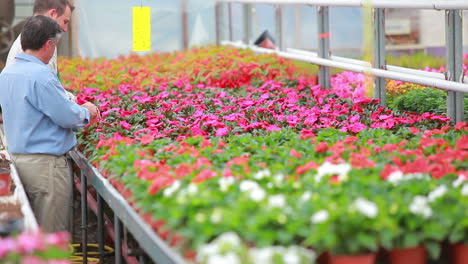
(351, 223)
(36, 247)
(454, 206)
(422, 227)
(5, 180)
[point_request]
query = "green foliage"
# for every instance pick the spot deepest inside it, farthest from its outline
(416, 61)
(422, 101)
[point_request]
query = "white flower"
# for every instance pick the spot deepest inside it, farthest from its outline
(464, 190)
(254, 190)
(420, 205)
(229, 238)
(306, 196)
(277, 201)
(458, 182)
(291, 257)
(261, 255)
(192, 189)
(216, 216)
(225, 182)
(395, 177)
(207, 250)
(257, 194)
(229, 258)
(319, 217)
(366, 207)
(262, 174)
(437, 192)
(278, 178)
(247, 185)
(172, 189)
(331, 169)
(200, 217)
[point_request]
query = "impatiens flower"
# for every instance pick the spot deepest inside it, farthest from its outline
(395, 177)
(257, 194)
(277, 201)
(319, 217)
(125, 125)
(365, 207)
(437, 192)
(464, 190)
(331, 169)
(172, 189)
(30, 242)
(321, 147)
(306, 196)
(224, 131)
(420, 206)
(229, 258)
(225, 182)
(262, 174)
(216, 216)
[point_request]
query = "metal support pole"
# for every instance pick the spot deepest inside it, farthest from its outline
(323, 44)
(380, 91)
(100, 227)
(247, 23)
(184, 25)
(84, 217)
(279, 27)
(231, 38)
(117, 240)
(218, 19)
(454, 42)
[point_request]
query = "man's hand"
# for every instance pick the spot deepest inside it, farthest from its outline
(94, 113)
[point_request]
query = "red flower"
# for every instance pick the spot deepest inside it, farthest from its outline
(361, 161)
(204, 175)
(295, 154)
(462, 142)
(146, 139)
(306, 167)
(159, 183)
(387, 170)
(321, 147)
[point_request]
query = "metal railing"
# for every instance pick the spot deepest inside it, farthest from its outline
(124, 215)
(453, 81)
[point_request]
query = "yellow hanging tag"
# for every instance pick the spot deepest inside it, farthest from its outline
(141, 28)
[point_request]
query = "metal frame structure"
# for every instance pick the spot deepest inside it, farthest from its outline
(124, 216)
(453, 81)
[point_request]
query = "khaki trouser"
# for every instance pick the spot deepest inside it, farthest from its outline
(48, 184)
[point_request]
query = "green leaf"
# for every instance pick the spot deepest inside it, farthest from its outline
(433, 248)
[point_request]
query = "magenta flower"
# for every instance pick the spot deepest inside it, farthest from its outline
(7, 245)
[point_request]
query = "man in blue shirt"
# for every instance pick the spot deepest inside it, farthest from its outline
(39, 123)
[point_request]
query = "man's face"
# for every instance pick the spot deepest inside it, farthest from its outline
(62, 20)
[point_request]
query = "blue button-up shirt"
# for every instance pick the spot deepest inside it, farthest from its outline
(37, 116)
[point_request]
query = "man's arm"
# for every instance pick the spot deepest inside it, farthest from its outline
(51, 100)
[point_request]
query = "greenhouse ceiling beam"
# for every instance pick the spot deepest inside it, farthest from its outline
(406, 77)
(420, 4)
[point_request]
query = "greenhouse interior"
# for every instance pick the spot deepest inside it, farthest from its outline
(234, 131)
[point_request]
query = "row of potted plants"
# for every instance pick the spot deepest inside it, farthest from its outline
(383, 192)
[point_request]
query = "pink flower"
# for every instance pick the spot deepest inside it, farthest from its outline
(125, 125)
(30, 242)
(146, 139)
(7, 245)
(59, 239)
(224, 131)
(270, 127)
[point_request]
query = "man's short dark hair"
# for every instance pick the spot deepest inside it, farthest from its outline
(37, 30)
(42, 6)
